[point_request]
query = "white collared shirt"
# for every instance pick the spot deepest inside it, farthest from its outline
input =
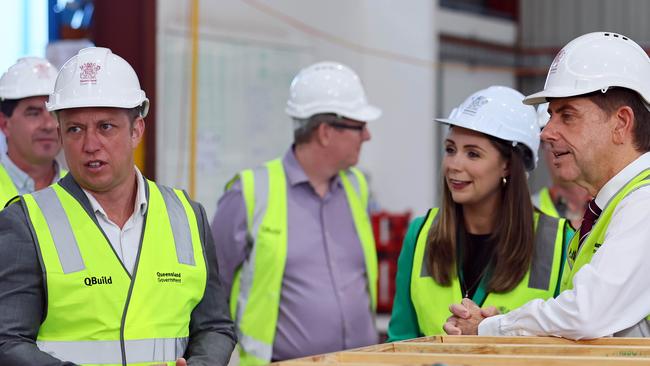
(125, 241)
(23, 182)
(611, 293)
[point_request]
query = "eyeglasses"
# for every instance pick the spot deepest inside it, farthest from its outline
(343, 126)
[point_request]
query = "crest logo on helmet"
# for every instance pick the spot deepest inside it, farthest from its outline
(41, 71)
(88, 74)
(556, 62)
(475, 105)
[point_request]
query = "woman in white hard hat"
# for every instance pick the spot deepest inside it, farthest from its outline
(485, 242)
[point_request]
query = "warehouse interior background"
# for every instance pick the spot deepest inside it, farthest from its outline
(217, 72)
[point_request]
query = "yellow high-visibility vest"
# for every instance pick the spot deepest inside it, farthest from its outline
(431, 300)
(98, 313)
(255, 295)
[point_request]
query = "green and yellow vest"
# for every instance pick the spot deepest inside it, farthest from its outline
(255, 295)
(431, 300)
(98, 313)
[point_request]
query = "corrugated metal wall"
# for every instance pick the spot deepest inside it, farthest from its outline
(546, 26)
(551, 23)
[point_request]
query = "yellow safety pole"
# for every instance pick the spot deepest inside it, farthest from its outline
(194, 30)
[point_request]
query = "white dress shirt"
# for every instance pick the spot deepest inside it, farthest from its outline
(611, 294)
(125, 241)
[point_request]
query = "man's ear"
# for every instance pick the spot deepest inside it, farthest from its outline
(4, 123)
(323, 134)
(624, 121)
(137, 131)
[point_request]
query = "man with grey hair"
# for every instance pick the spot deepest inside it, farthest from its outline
(293, 237)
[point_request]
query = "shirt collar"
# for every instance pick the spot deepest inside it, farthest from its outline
(614, 185)
(24, 183)
(140, 197)
(296, 174)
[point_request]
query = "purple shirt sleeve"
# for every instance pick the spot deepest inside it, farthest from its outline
(230, 234)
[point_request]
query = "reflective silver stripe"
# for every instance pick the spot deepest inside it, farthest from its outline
(110, 352)
(261, 187)
(540, 269)
(180, 226)
(60, 229)
(254, 347)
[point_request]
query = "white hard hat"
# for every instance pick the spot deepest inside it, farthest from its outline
(329, 87)
(96, 77)
(596, 61)
(542, 115)
(28, 77)
(497, 111)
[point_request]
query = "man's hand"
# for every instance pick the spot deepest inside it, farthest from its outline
(466, 317)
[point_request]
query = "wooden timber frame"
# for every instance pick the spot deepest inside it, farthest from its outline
(482, 351)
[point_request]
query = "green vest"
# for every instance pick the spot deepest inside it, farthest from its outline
(543, 201)
(257, 285)
(431, 300)
(98, 313)
(8, 189)
(578, 255)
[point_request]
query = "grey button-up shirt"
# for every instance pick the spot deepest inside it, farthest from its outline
(325, 305)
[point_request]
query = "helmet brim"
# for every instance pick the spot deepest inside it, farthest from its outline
(542, 96)
(453, 122)
(365, 114)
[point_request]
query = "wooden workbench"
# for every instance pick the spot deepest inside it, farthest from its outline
(481, 351)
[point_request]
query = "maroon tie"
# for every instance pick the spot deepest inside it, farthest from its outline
(591, 215)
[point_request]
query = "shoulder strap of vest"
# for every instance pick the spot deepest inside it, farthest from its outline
(429, 221)
(7, 187)
(547, 230)
(255, 190)
(360, 184)
(178, 220)
(60, 228)
(640, 180)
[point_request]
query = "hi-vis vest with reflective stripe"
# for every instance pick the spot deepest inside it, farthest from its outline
(8, 189)
(255, 295)
(431, 300)
(578, 258)
(99, 314)
(579, 255)
(543, 201)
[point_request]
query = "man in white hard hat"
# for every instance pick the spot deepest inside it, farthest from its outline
(30, 130)
(107, 267)
(598, 87)
(562, 198)
(293, 237)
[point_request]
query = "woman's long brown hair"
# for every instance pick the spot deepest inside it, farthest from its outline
(513, 232)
